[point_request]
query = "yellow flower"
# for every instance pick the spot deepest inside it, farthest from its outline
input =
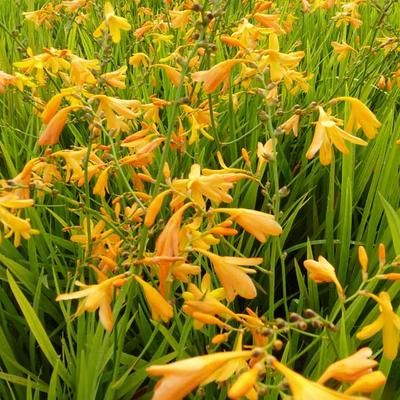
(266, 152)
(115, 110)
(181, 377)
(216, 75)
(232, 275)
(244, 384)
(360, 117)
(180, 19)
(323, 271)
(303, 389)
(342, 50)
(14, 225)
(367, 383)
(388, 321)
(116, 78)
(160, 308)
(100, 188)
(214, 185)
(139, 58)
(257, 223)
(97, 296)
(112, 23)
(351, 368)
(363, 260)
(328, 133)
(292, 124)
(279, 63)
(81, 70)
(206, 301)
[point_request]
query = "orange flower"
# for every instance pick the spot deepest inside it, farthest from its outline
(367, 383)
(323, 271)
(112, 23)
(244, 384)
(303, 389)
(154, 208)
(97, 296)
(167, 244)
(173, 74)
(160, 308)
(257, 223)
(216, 75)
(53, 130)
(232, 275)
(181, 377)
(270, 21)
(6, 80)
(351, 368)
(388, 321)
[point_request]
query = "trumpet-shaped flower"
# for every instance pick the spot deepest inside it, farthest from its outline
(181, 377)
(351, 368)
(206, 301)
(97, 296)
(328, 133)
(13, 224)
(116, 78)
(244, 385)
(388, 321)
(367, 383)
(160, 308)
(322, 271)
(213, 185)
(232, 275)
(360, 117)
(342, 50)
(217, 74)
(304, 389)
(112, 23)
(257, 223)
(53, 130)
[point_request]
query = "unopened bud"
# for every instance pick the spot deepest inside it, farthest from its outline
(363, 260)
(381, 255)
(278, 345)
(302, 325)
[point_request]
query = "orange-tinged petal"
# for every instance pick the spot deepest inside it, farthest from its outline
(244, 383)
(350, 368)
(154, 208)
(181, 377)
(303, 389)
(367, 383)
(371, 329)
(160, 308)
(390, 337)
